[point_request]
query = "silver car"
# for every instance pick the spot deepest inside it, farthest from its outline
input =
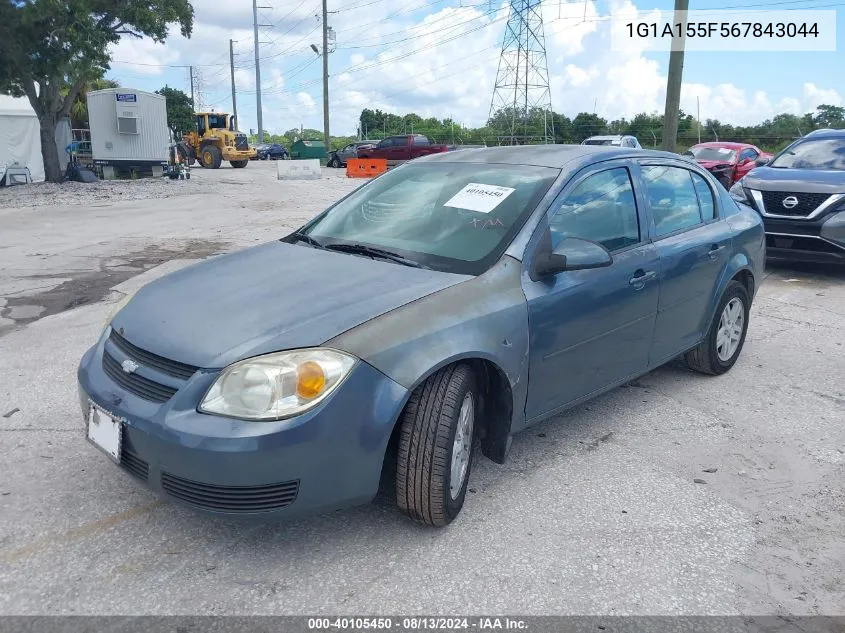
(339, 158)
(614, 140)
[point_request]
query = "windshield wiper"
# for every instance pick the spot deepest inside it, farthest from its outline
(361, 249)
(304, 237)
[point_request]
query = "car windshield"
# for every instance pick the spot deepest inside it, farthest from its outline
(823, 154)
(600, 141)
(713, 153)
(454, 217)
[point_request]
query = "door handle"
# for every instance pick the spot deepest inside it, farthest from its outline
(715, 249)
(641, 277)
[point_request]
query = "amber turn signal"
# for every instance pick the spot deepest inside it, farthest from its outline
(310, 379)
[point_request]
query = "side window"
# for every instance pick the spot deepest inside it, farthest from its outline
(705, 197)
(602, 209)
(672, 198)
(421, 140)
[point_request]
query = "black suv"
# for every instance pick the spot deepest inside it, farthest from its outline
(801, 195)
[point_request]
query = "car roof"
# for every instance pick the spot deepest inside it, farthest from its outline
(826, 133)
(557, 155)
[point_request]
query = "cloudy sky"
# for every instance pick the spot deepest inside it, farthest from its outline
(439, 58)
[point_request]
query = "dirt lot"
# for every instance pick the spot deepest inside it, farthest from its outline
(676, 494)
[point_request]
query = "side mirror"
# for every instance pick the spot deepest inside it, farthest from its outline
(760, 162)
(573, 253)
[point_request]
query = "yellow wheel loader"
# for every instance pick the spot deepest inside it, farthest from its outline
(216, 139)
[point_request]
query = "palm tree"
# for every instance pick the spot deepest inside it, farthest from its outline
(79, 109)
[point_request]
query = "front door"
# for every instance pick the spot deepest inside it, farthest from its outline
(694, 246)
(590, 329)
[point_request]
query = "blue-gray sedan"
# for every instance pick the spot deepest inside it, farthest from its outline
(449, 303)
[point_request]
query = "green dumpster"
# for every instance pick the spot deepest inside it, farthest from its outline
(303, 149)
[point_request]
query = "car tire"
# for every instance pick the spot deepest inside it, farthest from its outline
(334, 163)
(721, 348)
(436, 442)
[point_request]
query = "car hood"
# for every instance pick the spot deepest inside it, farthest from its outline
(709, 164)
(805, 180)
(267, 298)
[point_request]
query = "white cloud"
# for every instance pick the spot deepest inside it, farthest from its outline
(439, 64)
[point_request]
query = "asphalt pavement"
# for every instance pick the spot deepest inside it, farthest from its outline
(676, 494)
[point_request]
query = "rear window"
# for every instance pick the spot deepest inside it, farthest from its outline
(822, 154)
(599, 141)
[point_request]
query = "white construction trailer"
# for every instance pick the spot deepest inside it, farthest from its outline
(128, 131)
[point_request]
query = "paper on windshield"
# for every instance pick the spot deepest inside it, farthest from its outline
(479, 197)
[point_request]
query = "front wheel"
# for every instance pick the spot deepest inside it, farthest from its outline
(211, 157)
(334, 162)
(721, 348)
(238, 164)
(436, 445)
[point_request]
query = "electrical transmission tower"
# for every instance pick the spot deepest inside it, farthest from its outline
(521, 108)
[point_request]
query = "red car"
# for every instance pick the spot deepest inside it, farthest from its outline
(398, 149)
(727, 161)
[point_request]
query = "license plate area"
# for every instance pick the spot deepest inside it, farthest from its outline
(105, 431)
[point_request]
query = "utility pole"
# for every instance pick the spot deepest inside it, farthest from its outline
(257, 72)
(698, 117)
(232, 69)
(192, 87)
(326, 136)
(673, 80)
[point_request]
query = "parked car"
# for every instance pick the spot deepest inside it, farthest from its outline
(453, 301)
(271, 151)
(615, 140)
(801, 196)
(398, 149)
(728, 162)
(338, 158)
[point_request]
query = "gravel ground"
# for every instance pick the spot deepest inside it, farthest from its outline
(676, 494)
(114, 191)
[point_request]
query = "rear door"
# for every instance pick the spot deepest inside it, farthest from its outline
(693, 243)
(589, 329)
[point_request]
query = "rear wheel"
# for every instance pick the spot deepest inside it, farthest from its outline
(435, 446)
(723, 344)
(210, 157)
(238, 164)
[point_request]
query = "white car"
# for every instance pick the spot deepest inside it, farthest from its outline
(617, 140)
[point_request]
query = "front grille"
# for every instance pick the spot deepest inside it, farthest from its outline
(143, 357)
(241, 142)
(807, 203)
(133, 383)
(130, 461)
(231, 498)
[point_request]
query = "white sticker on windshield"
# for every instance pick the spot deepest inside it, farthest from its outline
(478, 197)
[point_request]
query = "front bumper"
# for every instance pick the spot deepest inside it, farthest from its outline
(328, 458)
(816, 240)
(231, 153)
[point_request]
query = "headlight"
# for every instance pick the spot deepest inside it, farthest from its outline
(117, 308)
(277, 385)
(737, 192)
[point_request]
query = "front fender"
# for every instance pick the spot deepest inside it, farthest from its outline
(484, 319)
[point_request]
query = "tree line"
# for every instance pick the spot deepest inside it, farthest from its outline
(770, 135)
